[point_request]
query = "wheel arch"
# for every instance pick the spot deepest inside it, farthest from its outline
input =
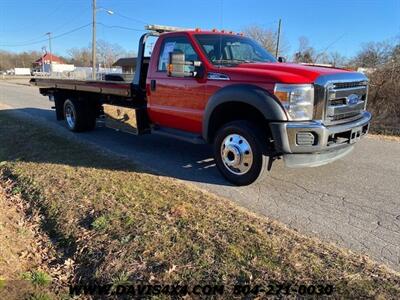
(240, 101)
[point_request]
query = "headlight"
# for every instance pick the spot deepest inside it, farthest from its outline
(298, 100)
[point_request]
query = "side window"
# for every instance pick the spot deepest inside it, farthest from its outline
(176, 44)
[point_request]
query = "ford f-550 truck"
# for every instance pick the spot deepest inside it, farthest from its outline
(226, 90)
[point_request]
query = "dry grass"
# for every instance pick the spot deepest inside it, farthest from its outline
(13, 240)
(28, 260)
(119, 221)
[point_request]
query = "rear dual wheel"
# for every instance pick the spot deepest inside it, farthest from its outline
(79, 115)
(238, 151)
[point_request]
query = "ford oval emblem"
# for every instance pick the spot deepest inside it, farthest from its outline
(352, 99)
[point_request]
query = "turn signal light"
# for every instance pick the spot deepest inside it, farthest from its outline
(281, 95)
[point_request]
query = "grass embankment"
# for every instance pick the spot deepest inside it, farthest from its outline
(118, 223)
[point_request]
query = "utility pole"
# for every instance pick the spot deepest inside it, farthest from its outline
(44, 51)
(277, 41)
(94, 41)
(51, 54)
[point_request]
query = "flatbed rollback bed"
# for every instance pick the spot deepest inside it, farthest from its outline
(97, 98)
(111, 88)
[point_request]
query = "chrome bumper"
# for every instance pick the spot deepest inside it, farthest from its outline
(323, 144)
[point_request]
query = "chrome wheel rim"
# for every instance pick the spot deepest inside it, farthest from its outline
(236, 154)
(70, 116)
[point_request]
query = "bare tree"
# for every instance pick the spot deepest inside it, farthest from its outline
(305, 53)
(384, 91)
(80, 57)
(108, 53)
(267, 37)
(337, 60)
(373, 54)
(396, 52)
(308, 54)
(9, 60)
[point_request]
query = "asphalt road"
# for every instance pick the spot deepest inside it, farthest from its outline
(353, 202)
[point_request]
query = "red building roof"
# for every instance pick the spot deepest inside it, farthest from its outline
(46, 59)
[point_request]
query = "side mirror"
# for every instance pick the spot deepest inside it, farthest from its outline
(179, 67)
(281, 59)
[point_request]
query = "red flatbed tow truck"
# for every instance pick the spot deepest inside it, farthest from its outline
(224, 89)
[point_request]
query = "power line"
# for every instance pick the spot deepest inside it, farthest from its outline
(32, 39)
(78, 16)
(130, 18)
(40, 38)
(72, 30)
(43, 18)
(24, 44)
(69, 32)
(45, 40)
(120, 27)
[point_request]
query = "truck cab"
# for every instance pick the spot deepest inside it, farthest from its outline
(245, 102)
(224, 89)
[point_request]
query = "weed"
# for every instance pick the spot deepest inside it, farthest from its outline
(37, 278)
(100, 223)
(39, 296)
(16, 190)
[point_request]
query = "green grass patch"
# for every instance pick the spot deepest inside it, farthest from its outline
(40, 296)
(37, 278)
(100, 223)
(124, 223)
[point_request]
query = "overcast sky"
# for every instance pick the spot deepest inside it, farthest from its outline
(343, 24)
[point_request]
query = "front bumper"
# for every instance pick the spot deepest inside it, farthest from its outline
(309, 144)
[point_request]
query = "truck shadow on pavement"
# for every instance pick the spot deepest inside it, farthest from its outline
(153, 153)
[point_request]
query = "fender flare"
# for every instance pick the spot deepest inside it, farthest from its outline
(255, 96)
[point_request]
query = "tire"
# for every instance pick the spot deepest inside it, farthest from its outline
(238, 152)
(79, 116)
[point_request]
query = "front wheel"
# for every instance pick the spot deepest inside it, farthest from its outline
(238, 152)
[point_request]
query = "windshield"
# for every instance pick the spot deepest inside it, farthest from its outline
(232, 49)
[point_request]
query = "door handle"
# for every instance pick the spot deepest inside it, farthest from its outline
(153, 85)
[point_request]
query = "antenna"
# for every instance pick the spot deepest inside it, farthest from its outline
(330, 45)
(278, 38)
(221, 26)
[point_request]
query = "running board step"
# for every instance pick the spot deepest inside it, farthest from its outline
(179, 134)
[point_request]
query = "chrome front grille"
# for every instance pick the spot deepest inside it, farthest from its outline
(344, 85)
(340, 97)
(345, 100)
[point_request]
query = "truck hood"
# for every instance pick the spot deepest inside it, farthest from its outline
(279, 72)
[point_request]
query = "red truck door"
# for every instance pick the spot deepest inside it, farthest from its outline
(175, 102)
